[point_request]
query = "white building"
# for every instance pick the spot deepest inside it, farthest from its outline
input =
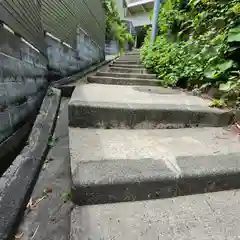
(137, 12)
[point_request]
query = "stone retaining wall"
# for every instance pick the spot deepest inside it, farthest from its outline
(22, 81)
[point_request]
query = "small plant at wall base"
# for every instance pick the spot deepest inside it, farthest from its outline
(115, 28)
(198, 46)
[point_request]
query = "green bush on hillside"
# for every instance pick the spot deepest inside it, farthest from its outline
(198, 46)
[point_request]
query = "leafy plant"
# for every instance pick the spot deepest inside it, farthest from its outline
(234, 35)
(66, 197)
(218, 103)
(52, 141)
(198, 45)
(231, 89)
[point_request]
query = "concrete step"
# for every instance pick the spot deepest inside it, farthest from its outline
(116, 64)
(129, 58)
(117, 106)
(127, 70)
(129, 62)
(127, 75)
(200, 217)
(123, 81)
(118, 165)
(132, 53)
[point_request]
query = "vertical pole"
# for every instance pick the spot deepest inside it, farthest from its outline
(135, 44)
(155, 20)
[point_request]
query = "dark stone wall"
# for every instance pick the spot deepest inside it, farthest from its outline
(23, 82)
(25, 73)
(31, 57)
(64, 60)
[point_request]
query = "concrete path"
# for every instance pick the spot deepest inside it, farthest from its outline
(212, 216)
(123, 152)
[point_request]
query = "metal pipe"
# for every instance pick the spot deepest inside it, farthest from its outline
(156, 10)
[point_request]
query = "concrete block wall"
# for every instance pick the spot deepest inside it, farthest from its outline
(87, 50)
(27, 65)
(66, 60)
(112, 48)
(61, 58)
(23, 71)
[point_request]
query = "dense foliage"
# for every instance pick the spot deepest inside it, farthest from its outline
(198, 46)
(115, 28)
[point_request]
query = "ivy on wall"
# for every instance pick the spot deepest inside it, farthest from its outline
(198, 46)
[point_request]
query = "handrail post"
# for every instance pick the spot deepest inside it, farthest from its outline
(155, 20)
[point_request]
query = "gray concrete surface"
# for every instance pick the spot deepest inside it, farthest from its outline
(51, 217)
(126, 65)
(200, 217)
(127, 70)
(17, 181)
(130, 57)
(131, 53)
(111, 57)
(126, 75)
(129, 165)
(129, 62)
(115, 106)
(123, 81)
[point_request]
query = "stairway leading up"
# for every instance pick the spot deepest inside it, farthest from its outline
(133, 144)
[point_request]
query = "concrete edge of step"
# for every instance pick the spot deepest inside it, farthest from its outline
(127, 75)
(134, 62)
(17, 183)
(134, 66)
(123, 182)
(66, 89)
(126, 67)
(123, 81)
(131, 54)
(124, 115)
(127, 70)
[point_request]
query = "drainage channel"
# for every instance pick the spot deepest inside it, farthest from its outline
(12, 146)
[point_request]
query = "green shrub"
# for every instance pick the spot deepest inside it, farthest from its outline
(198, 44)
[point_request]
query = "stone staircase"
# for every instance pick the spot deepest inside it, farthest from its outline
(132, 141)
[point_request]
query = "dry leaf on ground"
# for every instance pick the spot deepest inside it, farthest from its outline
(19, 235)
